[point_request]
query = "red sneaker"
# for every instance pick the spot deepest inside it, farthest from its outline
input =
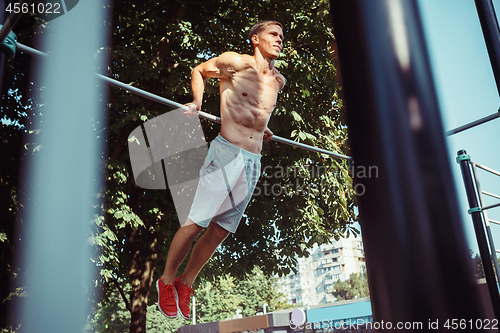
(167, 299)
(183, 293)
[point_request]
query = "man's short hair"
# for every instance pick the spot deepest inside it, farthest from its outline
(259, 27)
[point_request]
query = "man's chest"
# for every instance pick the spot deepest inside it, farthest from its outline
(255, 83)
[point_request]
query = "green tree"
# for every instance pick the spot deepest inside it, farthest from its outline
(354, 287)
(154, 45)
(216, 300)
(257, 289)
(220, 299)
(114, 316)
(21, 104)
(477, 265)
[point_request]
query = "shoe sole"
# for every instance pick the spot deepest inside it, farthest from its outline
(159, 308)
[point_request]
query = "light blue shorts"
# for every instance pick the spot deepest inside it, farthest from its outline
(227, 181)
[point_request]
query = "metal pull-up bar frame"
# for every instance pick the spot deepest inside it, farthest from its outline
(121, 85)
(476, 205)
(480, 193)
(170, 103)
(474, 123)
(12, 20)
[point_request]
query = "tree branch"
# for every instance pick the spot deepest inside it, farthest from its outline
(122, 293)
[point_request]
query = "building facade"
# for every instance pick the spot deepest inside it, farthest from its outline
(316, 275)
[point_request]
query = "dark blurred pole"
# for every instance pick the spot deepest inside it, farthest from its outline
(5, 285)
(477, 220)
(491, 33)
(418, 261)
(3, 17)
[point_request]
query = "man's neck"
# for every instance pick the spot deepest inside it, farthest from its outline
(264, 64)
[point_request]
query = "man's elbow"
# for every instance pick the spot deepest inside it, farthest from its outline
(196, 73)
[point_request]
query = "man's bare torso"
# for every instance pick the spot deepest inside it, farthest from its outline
(248, 98)
(249, 86)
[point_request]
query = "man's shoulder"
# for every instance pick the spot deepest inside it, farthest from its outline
(235, 60)
(236, 55)
(279, 77)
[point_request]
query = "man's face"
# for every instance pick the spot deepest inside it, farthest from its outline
(270, 41)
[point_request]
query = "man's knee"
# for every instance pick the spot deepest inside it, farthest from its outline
(217, 231)
(191, 229)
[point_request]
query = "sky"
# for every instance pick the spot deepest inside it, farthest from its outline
(466, 92)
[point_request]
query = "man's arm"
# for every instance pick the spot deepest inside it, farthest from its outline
(281, 79)
(268, 134)
(223, 66)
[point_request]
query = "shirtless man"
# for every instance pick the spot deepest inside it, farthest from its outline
(249, 86)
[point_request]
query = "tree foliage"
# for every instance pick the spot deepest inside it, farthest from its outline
(303, 197)
(354, 287)
(477, 265)
(216, 300)
(21, 103)
(221, 298)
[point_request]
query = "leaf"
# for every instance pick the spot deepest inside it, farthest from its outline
(297, 117)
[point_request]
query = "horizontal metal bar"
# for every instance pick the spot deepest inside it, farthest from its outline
(12, 20)
(170, 103)
(209, 116)
(30, 50)
(141, 92)
(491, 194)
(493, 221)
(283, 140)
(308, 147)
(485, 168)
(491, 206)
(473, 124)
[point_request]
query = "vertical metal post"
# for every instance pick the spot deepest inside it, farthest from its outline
(194, 310)
(464, 160)
(3, 57)
(63, 178)
(491, 32)
(418, 262)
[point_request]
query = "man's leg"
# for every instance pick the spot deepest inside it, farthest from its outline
(203, 251)
(179, 248)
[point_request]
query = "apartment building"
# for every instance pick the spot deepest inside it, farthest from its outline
(316, 274)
